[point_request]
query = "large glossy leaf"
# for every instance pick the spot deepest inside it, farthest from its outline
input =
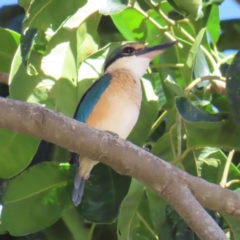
(9, 42)
(208, 129)
(57, 70)
(103, 194)
(233, 87)
(40, 16)
(191, 113)
(131, 24)
(17, 150)
(36, 198)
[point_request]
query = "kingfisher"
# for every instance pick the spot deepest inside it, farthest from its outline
(113, 102)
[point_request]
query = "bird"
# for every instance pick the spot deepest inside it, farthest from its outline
(113, 101)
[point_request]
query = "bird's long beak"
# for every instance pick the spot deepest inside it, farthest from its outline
(152, 52)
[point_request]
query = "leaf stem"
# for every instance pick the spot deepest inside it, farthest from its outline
(91, 231)
(187, 35)
(150, 18)
(147, 226)
(167, 34)
(157, 123)
(228, 184)
(226, 169)
(179, 135)
(172, 65)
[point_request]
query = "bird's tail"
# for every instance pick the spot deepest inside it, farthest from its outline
(78, 189)
(84, 167)
(79, 181)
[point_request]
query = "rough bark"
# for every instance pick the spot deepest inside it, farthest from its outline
(183, 191)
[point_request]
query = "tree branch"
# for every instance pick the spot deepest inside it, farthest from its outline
(183, 191)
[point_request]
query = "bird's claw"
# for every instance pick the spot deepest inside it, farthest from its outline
(113, 134)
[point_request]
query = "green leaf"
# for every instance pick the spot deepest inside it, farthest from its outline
(103, 194)
(210, 161)
(230, 35)
(55, 83)
(207, 129)
(192, 9)
(17, 151)
(212, 130)
(233, 87)
(131, 24)
(166, 146)
(25, 3)
(41, 88)
(213, 24)
(173, 87)
(157, 210)
(234, 225)
(133, 223)
(9, 42)
(194, 49)
(201, 67)
(192, 114)
(38, 18)
(153, 34)
(36, 198)
(223, 134)
(148, 114)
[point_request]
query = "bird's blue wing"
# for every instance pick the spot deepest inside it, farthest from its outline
(84, 109)
(91, 97)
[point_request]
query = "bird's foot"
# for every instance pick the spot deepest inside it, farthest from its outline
(148, 148)
(113, 134)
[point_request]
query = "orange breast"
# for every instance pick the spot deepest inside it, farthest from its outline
(118, 108)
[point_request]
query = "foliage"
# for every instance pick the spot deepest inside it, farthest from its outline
(185, 118)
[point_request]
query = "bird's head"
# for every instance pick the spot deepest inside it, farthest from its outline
(134, 57)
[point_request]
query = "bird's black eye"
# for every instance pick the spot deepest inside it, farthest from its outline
(128, 50)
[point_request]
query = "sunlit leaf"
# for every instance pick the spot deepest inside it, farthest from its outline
(213, 25)
(9, 42)
(17, 150)
(131, 24)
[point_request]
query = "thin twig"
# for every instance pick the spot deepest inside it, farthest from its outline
(198, 80)
(226, 168)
